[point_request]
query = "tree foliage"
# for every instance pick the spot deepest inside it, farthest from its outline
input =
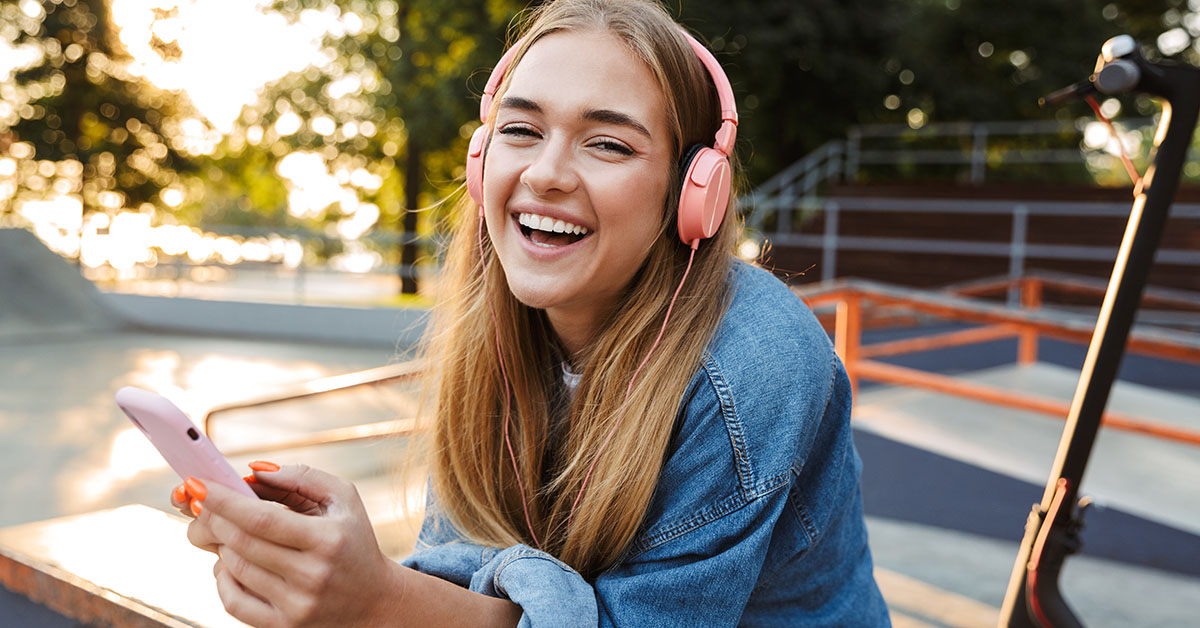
(78, 121)
(802, 71)
(806, 71)
(394, 100)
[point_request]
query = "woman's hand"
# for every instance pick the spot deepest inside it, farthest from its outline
(313, 563)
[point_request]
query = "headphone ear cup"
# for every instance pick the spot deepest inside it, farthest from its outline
(705, 193)
(475, 165)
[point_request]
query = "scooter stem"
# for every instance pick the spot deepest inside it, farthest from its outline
(1042, 606)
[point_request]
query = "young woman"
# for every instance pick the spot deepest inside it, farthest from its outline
(631, 427)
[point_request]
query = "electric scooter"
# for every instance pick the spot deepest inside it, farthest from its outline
(1052, 532)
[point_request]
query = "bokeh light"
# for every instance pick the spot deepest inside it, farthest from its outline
(214, 37)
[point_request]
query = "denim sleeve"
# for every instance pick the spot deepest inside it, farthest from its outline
(697, 579)
(550, 593)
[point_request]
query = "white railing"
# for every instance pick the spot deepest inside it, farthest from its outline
(1018, 249)
(869, 145)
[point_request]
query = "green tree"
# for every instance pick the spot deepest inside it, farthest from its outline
(802, 71)
(992, 60)
(395, 100)
(806, 71)
(79, 123)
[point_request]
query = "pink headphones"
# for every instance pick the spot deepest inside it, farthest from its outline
(706, 170)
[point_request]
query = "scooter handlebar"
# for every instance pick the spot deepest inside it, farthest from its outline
(1118, 77)
(1076, 91)
(1117, 72)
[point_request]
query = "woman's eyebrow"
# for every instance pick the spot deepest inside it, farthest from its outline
(606, 116)
(516, 102)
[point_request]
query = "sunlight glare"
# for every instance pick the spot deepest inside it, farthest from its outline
(1173, 41)
(356, 258)
(133, 453)
(130, 453)
(173, 197)
(749, 250)
(127, 549)
(288, 124)
(323, 125)
(33, 9)
(57, 222)
(213, 37)
(311, 187)
(364, 217)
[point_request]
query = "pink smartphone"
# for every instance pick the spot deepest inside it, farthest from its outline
(185, 448)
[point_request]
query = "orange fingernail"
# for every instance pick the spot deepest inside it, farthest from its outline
(197, 507)
(180, 494)
(196, 488)
(250, 479)
(262, 465)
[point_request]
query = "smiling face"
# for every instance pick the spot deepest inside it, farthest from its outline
(576, 177)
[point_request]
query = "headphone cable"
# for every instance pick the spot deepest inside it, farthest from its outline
(629, 388)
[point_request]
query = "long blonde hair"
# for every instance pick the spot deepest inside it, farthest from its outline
(556, 440)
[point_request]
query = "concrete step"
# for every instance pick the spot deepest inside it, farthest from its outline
(957, 565)
(1147, 476)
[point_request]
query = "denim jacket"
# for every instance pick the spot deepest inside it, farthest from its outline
(757, 519)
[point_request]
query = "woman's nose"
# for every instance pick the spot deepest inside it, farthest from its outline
(552, 170)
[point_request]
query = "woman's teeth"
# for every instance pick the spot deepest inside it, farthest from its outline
(546, 223)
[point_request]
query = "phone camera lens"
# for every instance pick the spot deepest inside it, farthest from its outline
(193, 434)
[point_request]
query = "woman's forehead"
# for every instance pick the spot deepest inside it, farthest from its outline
(571, 71)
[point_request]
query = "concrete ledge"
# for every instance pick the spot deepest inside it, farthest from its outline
(75, 598)
(308, 323)
(131, 566)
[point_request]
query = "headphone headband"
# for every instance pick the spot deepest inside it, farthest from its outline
(497, 75)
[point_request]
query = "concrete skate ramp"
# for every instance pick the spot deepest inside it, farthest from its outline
(42, 293)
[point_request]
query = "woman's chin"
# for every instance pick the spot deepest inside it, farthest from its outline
(537, 297)
(557, 294)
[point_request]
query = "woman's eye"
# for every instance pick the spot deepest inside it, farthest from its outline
(518, 131)
(615, 147)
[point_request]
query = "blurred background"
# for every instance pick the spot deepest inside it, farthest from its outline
(239, 204)
(219, 147)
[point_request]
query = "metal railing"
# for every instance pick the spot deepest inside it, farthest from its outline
(795, 186)
(861, 304)
(976, 139)
(1018, 249)
(974, 146)
(389, 374)
(1165, 307)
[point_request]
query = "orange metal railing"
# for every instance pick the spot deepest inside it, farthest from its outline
(860, 305)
